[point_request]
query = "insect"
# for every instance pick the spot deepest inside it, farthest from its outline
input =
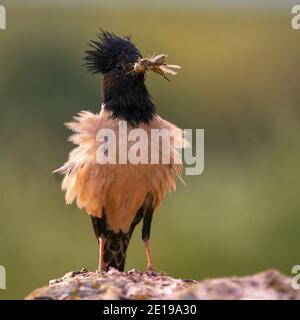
(156, 64)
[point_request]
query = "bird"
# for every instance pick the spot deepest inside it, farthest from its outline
(119, 196)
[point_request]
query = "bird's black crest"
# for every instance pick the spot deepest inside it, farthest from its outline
(108, 51)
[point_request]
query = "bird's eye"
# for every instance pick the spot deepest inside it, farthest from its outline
(119, 67)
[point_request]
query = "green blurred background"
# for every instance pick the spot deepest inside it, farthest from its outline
(239, 81)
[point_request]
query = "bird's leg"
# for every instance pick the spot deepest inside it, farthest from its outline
(101, 265)
(146, 236)
(149, 256)
(99, 228)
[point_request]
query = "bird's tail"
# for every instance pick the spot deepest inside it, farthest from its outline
(115, 244)
(115, 248)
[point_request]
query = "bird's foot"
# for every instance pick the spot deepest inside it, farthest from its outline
(101, 269)
(150, 270)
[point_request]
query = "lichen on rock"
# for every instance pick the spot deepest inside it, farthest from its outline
(136, 285)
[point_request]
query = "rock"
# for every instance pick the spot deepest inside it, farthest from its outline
(136, 285)
(268, 285)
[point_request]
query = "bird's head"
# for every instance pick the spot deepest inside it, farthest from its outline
(119, 59)
(124, 69)
(112, 56)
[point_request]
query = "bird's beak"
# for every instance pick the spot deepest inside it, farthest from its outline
(156, 64)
